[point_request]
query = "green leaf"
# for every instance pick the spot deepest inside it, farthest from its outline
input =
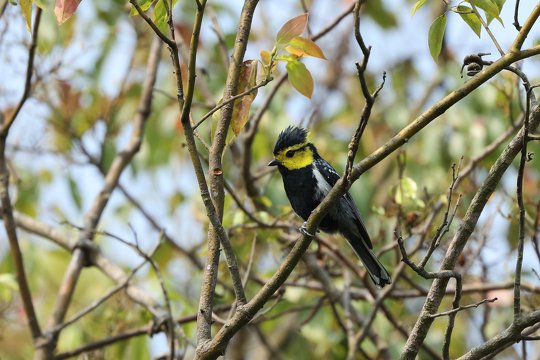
(144, 5)
(247, 80)
(108, 154)
(8, 286)
(435, 36)
(417, 6)
(300, 46)
(490, 8)
(406, 189)
(300, 78)
(161, 16)
(500, 4)
(377, 10)
(291, 29)
(75, 193)
(26, 9)
(470, 19)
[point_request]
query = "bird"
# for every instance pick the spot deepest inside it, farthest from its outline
(307, 179)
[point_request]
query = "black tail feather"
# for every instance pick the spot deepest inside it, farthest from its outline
(376, 270)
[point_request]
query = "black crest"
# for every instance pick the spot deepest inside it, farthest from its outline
(292, 135)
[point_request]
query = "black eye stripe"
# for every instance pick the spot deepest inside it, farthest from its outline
(291, 153)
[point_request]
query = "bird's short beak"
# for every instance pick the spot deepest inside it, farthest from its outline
(273, 163)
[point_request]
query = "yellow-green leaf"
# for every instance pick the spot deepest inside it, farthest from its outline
(161, 16)
(300, 78)
(300, 46)
(406, 189)
(144, 5)
(265, 57)
(75, 193)
(291, 29)
(470, 19)
(26, 9)
(417, 6)
(491, 9)
(435, 36)
(247, 80)
(8, 286)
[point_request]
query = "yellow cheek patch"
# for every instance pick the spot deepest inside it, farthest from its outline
(300, 159)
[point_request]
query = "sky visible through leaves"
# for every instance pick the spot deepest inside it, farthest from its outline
(406, 41)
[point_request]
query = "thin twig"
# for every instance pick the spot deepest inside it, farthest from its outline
(154, 27)
(521, 206)
(7, 209)
(148, 329)
(516, 16)
(461, 308)
(84, 246)
(448, 217)
(486, 27)
(101, 300)
(230, 100)
(526, 28)
(461, 237)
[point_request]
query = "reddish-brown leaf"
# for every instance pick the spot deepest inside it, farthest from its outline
(291, 29)
(63, 9)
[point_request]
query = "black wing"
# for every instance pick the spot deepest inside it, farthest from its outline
(331, 176)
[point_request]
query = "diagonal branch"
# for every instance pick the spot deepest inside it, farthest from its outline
(93, 215)
(461, 237)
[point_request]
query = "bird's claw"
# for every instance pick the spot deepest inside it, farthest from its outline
(303, 230)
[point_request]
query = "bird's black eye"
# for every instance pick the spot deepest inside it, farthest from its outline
(289, 154)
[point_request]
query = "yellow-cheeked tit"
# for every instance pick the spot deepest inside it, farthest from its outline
(307, 178)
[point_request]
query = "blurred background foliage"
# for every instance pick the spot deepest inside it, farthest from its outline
(88, 78)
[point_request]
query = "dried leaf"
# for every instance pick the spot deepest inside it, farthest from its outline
(247, 80)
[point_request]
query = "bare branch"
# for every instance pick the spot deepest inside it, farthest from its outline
(481, 197)
(7, 209)
(516, 16)
(93, 215)
(519, 195)
(461, 308)
(504, 339)
(526, 28)
(232, 99)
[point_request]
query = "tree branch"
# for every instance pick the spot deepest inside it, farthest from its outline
(93, 215)
(457, 244)
(7, 209)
